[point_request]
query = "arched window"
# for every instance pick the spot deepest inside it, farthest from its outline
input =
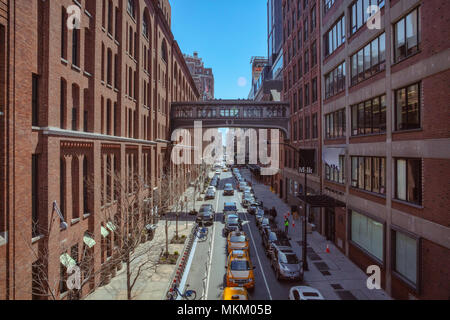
(164, 51)
(131, 8)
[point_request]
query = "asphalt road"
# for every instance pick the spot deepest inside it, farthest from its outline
(208, 282)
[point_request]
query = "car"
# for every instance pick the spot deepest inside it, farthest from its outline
(237, 241)
(304, 293)
(248, 189)
(247, 199)
(239, 253)
(252, 208)
(228, 190)
(214, 183)
(259, 215)
(264, 222)
(210, 194)
(211, 188)
(235, 293)
(268, 237)
(207, 207)
(229, 207)
(242, 185)
(232, 223)
(285, 263)
(239, 272)
(205, 218)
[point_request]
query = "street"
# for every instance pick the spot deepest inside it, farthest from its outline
(209, 281)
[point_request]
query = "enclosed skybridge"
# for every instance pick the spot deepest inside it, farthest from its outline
(231, 114)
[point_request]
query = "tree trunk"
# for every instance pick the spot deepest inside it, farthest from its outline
(176, 227)
(167, 237)
(128, 276)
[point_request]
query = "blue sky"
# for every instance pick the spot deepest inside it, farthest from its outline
(226, 34)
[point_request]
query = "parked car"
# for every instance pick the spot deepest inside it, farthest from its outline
(285, 263)
(205, 218)
(305, 293)
(214, 182)
(264, 223)
(248, 189)
(207, 207)
(252, 208)
(210, 194)
(268, 237)
(259, 216)
(242, 185)
(247, 199)
(228, 190)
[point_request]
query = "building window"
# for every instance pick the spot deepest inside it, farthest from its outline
(313, 18)
(327, 4)
(307, 127)
(335, 124)
(313, 54)
(314, 90)
(300, 129)
(336, 174)
(406, 36)
(305, 30)
(35, 195)
(359, 14)
(63, 33)
(306, 57)
(35, 100)
(300, 99)
(367, 234)
(407, 108)
(335, 81)
(75, 47)
(294, 102)
(335, 36)
(408, 181)
(307, 94)
(405, 252)
(369, 60)
(315, 129)
(295, 131)
(369, 173)
(369, 117)
(131, 8)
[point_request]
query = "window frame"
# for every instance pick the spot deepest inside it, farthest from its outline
(419, 97)
(368, 71)
(420, 193)
(382, 171)
(417, 35)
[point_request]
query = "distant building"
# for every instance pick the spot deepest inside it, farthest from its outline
(203, 77)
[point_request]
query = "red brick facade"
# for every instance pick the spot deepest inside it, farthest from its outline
(102, 100)
(425, 222)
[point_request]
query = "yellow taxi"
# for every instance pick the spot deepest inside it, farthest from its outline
(240, 270)
(235, 293)
(237, 240)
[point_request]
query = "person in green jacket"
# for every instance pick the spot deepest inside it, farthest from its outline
(286, 225)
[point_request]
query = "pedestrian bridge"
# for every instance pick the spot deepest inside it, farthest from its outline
(231, 114)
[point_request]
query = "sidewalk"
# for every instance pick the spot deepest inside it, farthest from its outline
(153, 283)
(333, 274)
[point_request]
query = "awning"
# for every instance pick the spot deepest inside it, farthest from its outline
(104, 232)
(111, 226)
(89, 241)
(330, 156)
(67, 261)
(321, 201)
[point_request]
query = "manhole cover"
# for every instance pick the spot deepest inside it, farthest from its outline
(325, 273)
(337, 286)
(346, 295)
(322, 266)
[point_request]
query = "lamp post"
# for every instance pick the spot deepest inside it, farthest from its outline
(306, 170)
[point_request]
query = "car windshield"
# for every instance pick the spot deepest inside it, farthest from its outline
(289, 258)
(310, 294)
(230, 208)
(233, 221)
(228, 186)
(240, 265)
(237, 239)
(265, 221)
(248, 196)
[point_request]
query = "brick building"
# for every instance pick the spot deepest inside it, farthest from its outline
(72, 105)
(301, 87)
(203, 77)
(385, 138)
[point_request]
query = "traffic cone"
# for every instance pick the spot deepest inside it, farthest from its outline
(293, 225)
(328, 249)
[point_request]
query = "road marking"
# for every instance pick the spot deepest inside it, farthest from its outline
(259, 261)
(212, 245)
(188, 267)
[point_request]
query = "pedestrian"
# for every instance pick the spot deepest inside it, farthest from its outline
(286, 225)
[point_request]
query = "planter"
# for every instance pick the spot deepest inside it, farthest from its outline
(180, 240)
(171, 259)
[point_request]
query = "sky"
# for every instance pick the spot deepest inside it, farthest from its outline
(226, 34)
